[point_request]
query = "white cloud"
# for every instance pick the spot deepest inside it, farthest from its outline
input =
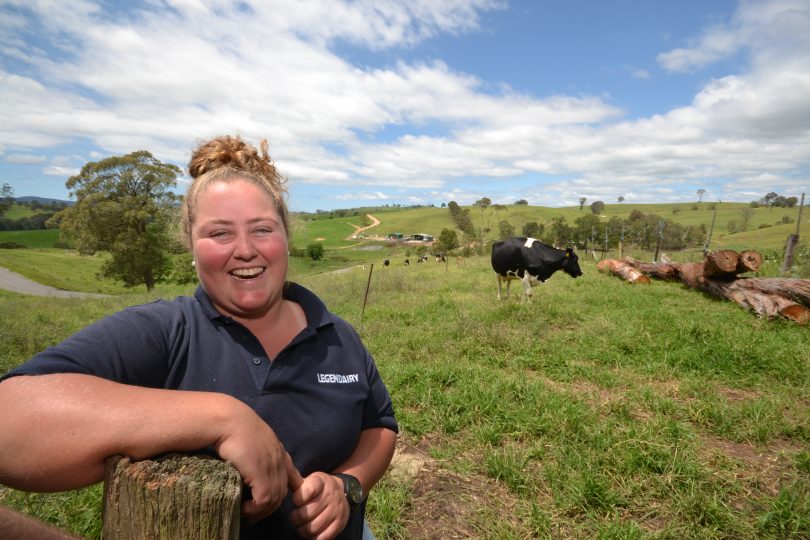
(162, 79)
(362, 196)
(56, 170)
(24, 159)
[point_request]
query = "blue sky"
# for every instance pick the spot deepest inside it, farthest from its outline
(420, 102)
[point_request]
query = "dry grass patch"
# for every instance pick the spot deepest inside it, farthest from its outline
(444, 504)
(764, 468)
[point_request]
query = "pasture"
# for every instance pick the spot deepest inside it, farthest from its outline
(41, 238)
(598, 410)
(17, 211)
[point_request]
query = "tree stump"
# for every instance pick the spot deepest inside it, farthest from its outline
(175, 497)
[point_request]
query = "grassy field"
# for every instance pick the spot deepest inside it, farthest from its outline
(45, 238)
(598, 410)
(433, 220)
(17, 211)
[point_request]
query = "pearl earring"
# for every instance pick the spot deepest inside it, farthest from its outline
(193, 263)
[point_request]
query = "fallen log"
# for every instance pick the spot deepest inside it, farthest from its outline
(768, 297)
(624, 271)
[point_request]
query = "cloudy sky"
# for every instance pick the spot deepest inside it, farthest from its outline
(374, 102)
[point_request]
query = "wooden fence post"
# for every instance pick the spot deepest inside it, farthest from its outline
(175, 497)
(792, 243)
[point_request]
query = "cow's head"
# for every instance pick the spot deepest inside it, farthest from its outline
(571, 263)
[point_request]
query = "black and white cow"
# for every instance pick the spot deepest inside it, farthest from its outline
(530, 261)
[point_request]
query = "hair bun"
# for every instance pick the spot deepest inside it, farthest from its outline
(234, 153)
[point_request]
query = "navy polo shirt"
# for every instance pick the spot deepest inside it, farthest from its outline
(318, 394)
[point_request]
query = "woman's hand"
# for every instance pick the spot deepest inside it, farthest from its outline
(266, 468)
(322, 510)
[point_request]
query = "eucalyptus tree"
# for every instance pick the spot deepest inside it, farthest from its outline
(124, 206)
(483, 203)
(6, 198)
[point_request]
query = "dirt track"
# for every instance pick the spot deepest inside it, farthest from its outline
(12, 281)
(374, 223)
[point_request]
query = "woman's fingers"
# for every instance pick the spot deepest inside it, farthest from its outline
(321, 508)
(253, 448)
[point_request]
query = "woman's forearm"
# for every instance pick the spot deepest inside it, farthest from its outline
(57, 430)
(371, 457)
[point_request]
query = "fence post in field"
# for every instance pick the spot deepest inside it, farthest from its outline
(711, 230)
(792, 243)
(174, 497)
(365, 296)
(660, 237)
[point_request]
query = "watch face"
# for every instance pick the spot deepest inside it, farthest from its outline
(353, 489)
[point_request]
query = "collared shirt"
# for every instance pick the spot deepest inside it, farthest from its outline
(319, 392)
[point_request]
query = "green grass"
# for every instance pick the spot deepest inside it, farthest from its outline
(18, 211)
(62, 269)
(598, 410)
(44, 238)
(334, 230)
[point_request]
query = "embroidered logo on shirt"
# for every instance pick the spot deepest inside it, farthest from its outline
(335, 378)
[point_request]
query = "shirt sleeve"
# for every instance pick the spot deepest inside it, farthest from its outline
(132, 347)
(378, 410)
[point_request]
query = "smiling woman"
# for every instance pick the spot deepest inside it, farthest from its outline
(253, 368)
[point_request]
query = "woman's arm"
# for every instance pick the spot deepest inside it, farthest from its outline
(371, 457)
(14, 524)
(56, 432)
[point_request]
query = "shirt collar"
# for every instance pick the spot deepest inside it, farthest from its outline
(314, 309)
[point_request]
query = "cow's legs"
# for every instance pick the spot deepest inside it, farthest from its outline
(508, 283)
(527, 286)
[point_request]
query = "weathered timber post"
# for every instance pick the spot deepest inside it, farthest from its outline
(711, 230)
(175, 497)
(660, 237)
(792, 243)
(365, 297)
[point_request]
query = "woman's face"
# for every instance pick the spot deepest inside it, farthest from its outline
(240, 248)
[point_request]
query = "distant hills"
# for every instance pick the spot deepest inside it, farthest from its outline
(42, 200)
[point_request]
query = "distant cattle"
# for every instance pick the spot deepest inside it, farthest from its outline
(407, 262)
(440, 258)
(421, 259)
(530, 261)
(386, 262)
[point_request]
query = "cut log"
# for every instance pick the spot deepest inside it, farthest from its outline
(722, 262)
(664, 271)
(749, 261)
(624, 271)
(768, 297)
(175, 497)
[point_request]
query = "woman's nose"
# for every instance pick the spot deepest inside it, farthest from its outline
(244, 248)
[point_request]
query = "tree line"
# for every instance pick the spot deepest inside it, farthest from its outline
(588, 231)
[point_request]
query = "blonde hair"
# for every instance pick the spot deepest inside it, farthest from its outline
(225, 159)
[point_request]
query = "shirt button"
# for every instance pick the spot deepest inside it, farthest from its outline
(257, 361)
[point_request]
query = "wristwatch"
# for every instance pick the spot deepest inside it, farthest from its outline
(352, 489)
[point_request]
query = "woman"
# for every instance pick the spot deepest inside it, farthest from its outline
(253, 367)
